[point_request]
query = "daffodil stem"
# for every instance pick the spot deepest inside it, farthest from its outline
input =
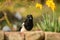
(54, 22)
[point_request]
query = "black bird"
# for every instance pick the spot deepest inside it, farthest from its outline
(28, 24)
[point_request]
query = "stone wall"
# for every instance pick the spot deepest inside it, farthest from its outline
(1, 35)
(52, 36)
(32, 35)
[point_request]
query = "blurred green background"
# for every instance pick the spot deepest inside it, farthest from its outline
(41, 18)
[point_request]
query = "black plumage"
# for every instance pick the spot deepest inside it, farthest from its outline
(28, 24)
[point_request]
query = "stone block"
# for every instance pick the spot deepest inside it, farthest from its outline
(34, 35)
(52, 36)
(1, 35)
(14, 36)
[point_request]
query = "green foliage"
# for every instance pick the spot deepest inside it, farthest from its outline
(49, 22)
(1, 0)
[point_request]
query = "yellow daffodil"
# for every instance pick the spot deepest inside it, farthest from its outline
(49, 0)
(51, 4)
(53, 7)
(38, 5)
